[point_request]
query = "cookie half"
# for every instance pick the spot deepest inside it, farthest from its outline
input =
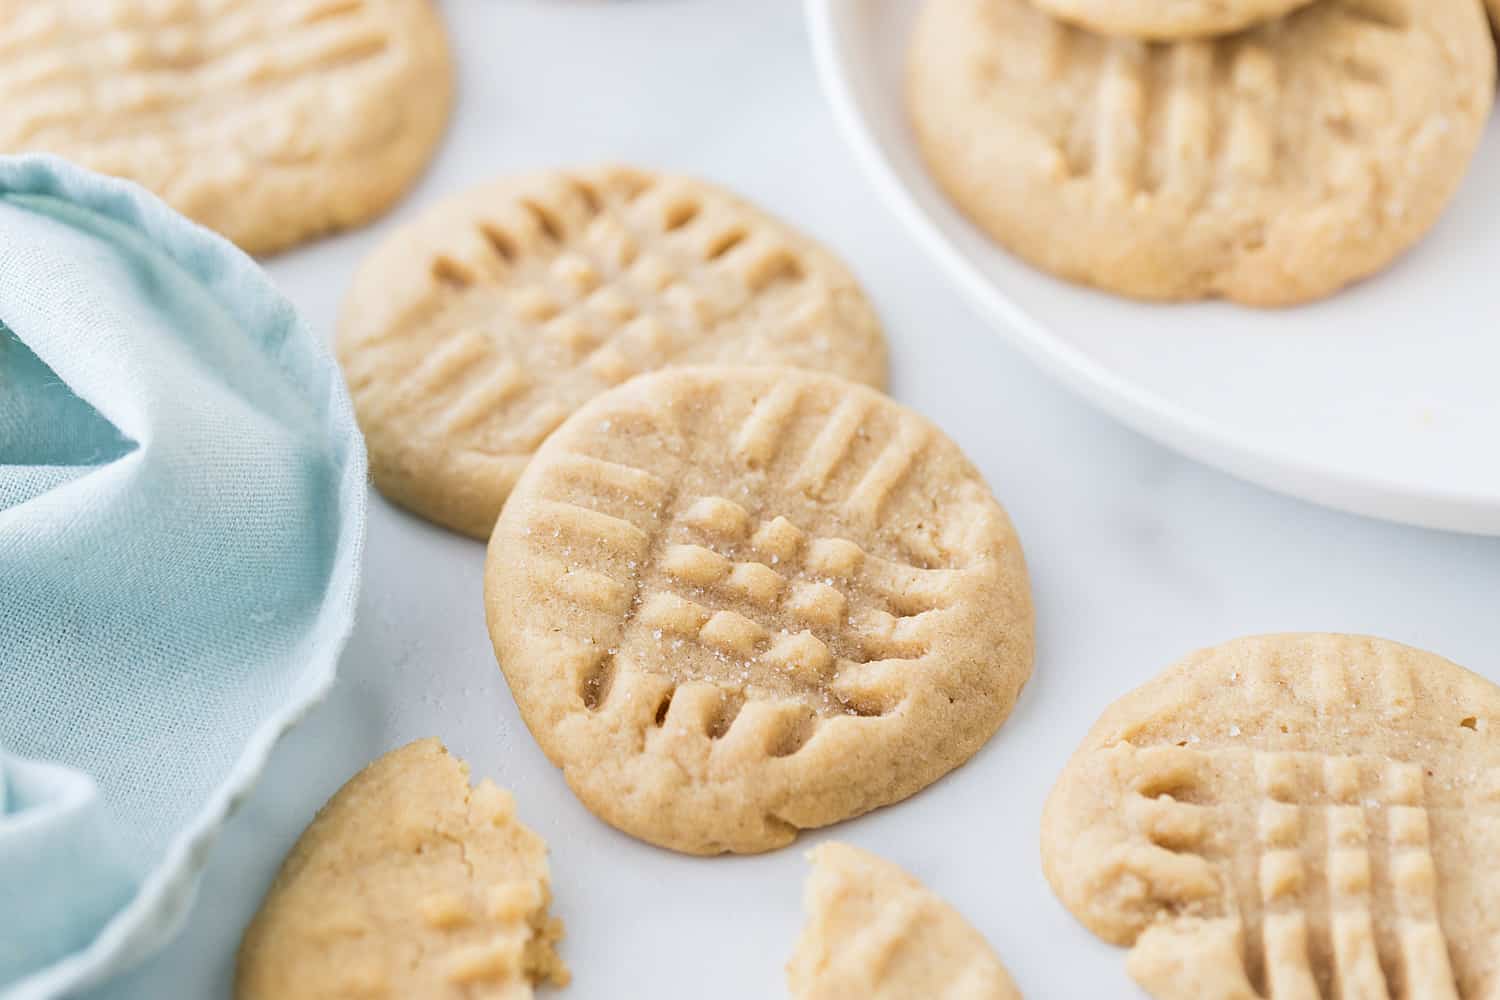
(270, 121)
(1270, 167)
(875, 933)
(1280, 814)
(1175, 21)
(737, 603)
(407, 884)
(472, 333)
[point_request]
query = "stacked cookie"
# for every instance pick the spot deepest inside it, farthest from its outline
(472, 333)
(734, 598)
(1264, 151)
(736, 590)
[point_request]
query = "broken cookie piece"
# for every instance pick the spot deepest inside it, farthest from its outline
(408, 883)
(875, 933)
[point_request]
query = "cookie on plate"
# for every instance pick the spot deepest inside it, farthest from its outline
(271, 121)
(1270, 167)
(734, 603)
(1279, 814)
(407, 884)
(472, 333)
(1180, 19)
(875, 933)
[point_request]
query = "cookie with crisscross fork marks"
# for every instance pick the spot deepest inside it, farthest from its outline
(1291, 817)
(1270, 167)
(472, 333)
(407, 884)
(875, 933)
(736, 603)
(271, 121)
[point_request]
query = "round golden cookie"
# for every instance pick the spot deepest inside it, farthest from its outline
(407, 884)
(1282, 813)
(1269, 167)
(737, 603)
(1171, 21)
(271, 121)
(875, 933)
(472, 333)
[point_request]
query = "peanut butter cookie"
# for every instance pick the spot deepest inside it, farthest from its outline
(737, 603)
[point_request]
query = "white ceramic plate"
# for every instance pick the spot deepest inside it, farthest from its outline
(1383, 400)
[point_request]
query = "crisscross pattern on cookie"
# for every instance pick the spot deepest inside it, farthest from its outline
(583, 282)
(1336, 837)
(727, 571)
(544, 291)
(97, 73)
(1303, 816)
(706, 591)
(814, 617)
(1331, 137)
(269, 120)
(1193, 117)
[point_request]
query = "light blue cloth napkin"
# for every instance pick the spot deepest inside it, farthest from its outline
(182, 493)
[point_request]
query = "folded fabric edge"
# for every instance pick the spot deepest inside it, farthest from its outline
(53, 817)
(170, 889)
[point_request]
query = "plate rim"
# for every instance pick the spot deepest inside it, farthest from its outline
(1140, 409)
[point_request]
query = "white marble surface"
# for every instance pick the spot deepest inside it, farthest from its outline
(1137, 556)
